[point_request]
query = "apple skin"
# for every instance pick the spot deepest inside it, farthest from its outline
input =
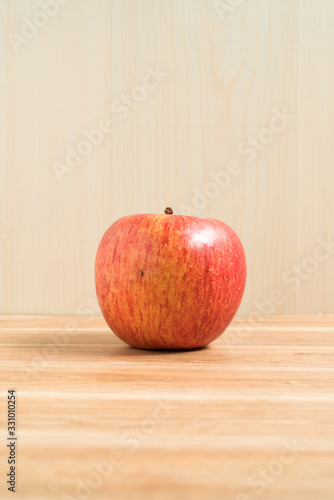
(167, 281)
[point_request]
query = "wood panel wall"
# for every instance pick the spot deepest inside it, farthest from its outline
(217, 108)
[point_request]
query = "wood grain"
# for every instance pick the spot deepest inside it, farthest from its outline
(174, 425)
(226, 74)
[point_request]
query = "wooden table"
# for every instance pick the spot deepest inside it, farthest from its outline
(250, 417)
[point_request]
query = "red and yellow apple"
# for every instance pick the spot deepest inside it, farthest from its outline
(166, 281)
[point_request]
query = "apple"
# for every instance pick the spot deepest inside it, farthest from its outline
(167, 281)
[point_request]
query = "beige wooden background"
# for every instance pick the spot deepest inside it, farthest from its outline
(228, 68)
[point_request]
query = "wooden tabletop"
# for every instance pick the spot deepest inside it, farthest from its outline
(249, 417)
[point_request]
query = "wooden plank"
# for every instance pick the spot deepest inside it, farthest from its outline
(197, 424)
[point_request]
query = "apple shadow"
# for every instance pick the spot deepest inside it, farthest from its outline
(153, 352)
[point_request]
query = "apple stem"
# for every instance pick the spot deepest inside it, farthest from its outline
(168, 210)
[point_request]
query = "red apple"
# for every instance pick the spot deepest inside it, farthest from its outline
(167, 281)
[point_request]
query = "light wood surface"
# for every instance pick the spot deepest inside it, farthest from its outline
(201, 424)
(226, 74)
